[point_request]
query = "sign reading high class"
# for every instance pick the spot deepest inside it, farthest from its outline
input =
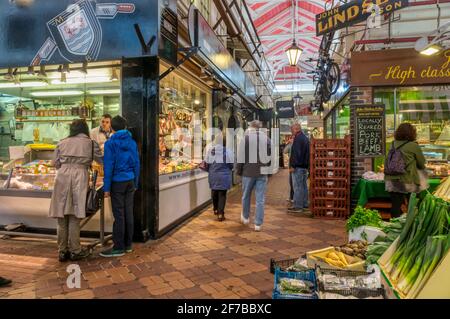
(401, 67)
(354, 12)
(370, 130)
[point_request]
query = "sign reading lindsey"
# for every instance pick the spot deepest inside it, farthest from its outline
(399, 67)
(354, 12)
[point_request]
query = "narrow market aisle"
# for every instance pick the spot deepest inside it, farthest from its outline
(202, 258)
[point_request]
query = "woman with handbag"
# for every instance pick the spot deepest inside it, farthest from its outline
(73, 157)
(219, 164)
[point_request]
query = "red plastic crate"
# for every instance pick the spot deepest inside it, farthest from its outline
(329, 183)
(330, 178)
(330, 163)
(330, 173)
(331, 213)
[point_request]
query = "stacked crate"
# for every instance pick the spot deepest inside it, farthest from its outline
(330, 177)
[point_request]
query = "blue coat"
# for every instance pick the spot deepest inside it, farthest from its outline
(220, 165)
(121, 160)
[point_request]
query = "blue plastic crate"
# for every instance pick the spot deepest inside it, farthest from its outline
(302, 275)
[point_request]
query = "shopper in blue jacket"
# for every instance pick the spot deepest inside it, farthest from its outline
(122, 168)
(219, 164)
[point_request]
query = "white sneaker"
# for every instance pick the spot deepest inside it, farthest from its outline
(244, 221)
(258, 228)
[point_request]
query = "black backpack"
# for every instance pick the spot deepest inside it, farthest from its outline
(395, 163)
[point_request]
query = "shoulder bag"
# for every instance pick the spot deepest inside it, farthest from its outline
(94, 197)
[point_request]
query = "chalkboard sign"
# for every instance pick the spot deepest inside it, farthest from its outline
(370, 131)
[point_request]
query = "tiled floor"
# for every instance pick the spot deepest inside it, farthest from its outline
(200, 259)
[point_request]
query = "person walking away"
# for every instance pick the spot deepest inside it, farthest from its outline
(219, 164)
(103, 132)
(287, 150)
(122, 169)
(299, 167)
(413, 179)
(73, 157)
(4, 282)
(254, 171)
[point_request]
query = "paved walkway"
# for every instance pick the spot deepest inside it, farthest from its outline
(200, 259)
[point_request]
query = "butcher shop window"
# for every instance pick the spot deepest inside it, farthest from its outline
(183, 111)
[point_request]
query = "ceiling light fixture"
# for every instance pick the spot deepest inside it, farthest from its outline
(84, 67)
(23, 84)
(64, 68)
(97, 79)
(294, 51)
(104, 92)
(428, 47)
(114, 76)
(30, 70)
(56, 93)
(42, 72)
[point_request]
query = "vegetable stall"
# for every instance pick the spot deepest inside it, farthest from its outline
(404, 258)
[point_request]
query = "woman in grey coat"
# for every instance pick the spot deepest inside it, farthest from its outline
(73, 157)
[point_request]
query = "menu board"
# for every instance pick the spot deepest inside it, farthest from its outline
(370, 131)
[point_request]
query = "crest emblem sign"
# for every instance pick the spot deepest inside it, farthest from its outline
(77, 31)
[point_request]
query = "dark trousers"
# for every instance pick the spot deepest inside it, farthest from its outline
(219, 200)
(122, 198)
(397, 200)
(291, 195)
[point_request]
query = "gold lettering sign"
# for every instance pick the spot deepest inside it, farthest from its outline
(353, 12)
(399, 67)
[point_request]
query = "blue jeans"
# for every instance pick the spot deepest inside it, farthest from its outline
(260, 185)
(299, 179)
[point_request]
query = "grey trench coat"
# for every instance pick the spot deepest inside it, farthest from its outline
(73, 157)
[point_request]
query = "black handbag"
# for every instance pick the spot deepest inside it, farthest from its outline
(94, 200)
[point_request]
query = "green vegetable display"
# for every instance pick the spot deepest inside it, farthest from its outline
(423, 242)
(295, 286)
(364, 217)
(381, 244)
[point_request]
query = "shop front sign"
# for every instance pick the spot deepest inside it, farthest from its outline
(370, 130)
(401, 67)
(65, 31)
(285, 109)
(354, 12)
(216, 55)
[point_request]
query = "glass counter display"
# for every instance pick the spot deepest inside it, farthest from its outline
(182, 105)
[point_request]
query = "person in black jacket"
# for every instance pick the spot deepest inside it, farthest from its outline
(299, 167)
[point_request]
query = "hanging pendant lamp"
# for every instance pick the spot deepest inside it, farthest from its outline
(294, 51)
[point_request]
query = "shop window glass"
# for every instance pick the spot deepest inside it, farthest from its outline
(182, 106)
(343, 119)
(427, 108)
(36, 110)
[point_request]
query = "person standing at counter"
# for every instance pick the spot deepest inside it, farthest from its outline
(103, 132)
(413, 177)
(73, 157)
(122, 169)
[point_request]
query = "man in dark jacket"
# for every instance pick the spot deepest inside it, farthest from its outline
(254, 169)
(299, 167)
(122, 168)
